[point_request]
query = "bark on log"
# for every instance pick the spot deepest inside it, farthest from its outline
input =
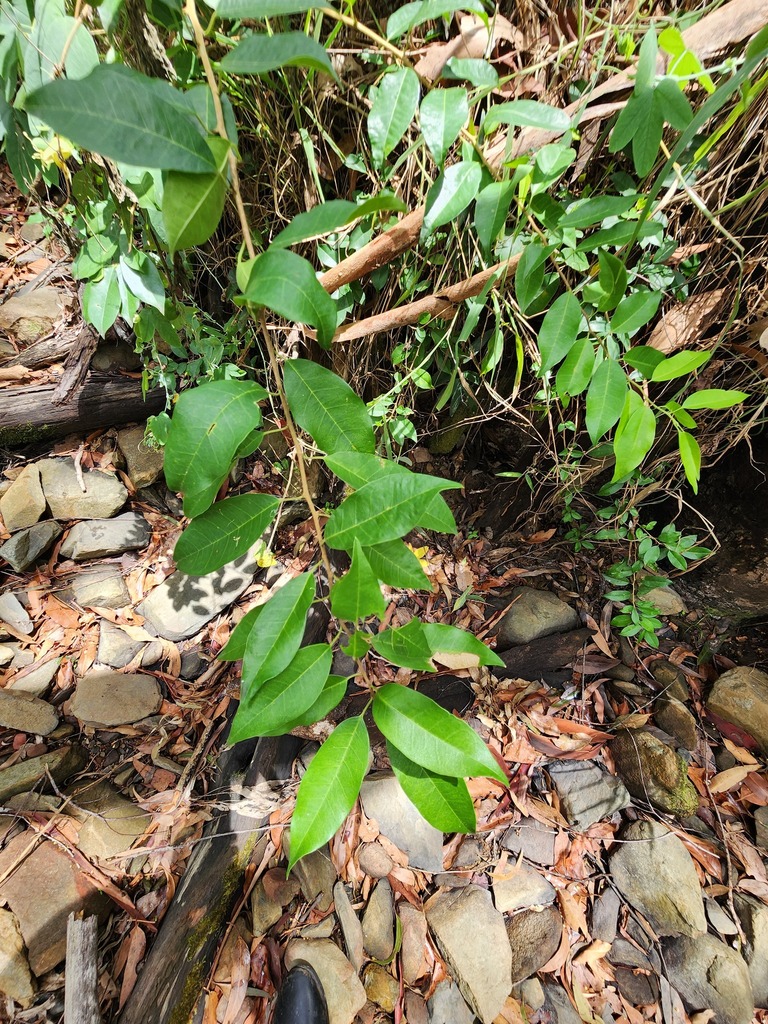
(28, 414)
(81, 984)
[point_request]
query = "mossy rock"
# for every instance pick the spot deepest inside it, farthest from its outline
(653, 771)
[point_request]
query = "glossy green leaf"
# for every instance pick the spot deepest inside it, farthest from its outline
(605, 398)
(357, 594)
(475, 70)
(209, 424)
(193, 203)
(714, 398)
(287, 284)
(410, 15)
(526, 114)
(357, 645)
(259, 53)
(437, 516)
(394, 104)
(139, 277)
(529, 274)
(451, 194)
(125, 116)
(586, 212)
(319, 220)
(574, 375)
(621, 233)
(224, 532)
(611, 283)
(234, 649)
(690, 456)
(634, 437)
(327, 408)
(329, 788)
(681, 417)
(333, 692)
(679, 365)
(396, 565)
(559, 330)
(101, 300)
(442, 115)
(381, 202)
(260, 9)
(271, 645)
(448, 640)
(405, 646)
(644, 359)
(444, 801)
(431, 736)
(635, 311)
(284, 697)
(491, 211)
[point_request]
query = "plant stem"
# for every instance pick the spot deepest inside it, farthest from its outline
(351, 22)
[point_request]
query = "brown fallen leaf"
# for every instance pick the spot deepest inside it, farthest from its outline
(684, 324)
(135, 948)
(730, 778)
(473, 41)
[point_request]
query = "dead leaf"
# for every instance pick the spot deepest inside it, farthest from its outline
(473, 41)
(685, 323)
(595, 951)
(455, 660)
(238, 987)
(740, 753)
(730, 778)
(137, 944)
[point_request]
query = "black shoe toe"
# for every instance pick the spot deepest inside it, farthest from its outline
(301, 999)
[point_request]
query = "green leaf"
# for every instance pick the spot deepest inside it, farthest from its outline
(690, 455)
(357, 645)
(139, 277)
(327, 408)
(271, 646)
(529, 274)
(259, 54)
(672, 104)
(474, 70)
(287, 284)
(395, 103)
(396, 565)
(319, 220)
(526, 113)
(451, 194)
(679, 365)
(225, 532)
(234, 649)
(101, 300)
(611, 284)
(405, 646)
(283, 698)
(620, 234)
(491, 210)
(680, 416)
(443, 801)
(209, 424)
(410, 15)
(125, 116)
(635, 435)
(333, 692)
(644, 358)
(574, 375)
(383, 201)
(586, 212)
(447, 640)
(442, 115)
(605, 398)
(193, 203)
(329, 788)
(645, 72)
(714, 398)
(559, 330)
(357, 594)
(430, 736)
(383, 510)
(260, 9)
(635, 311)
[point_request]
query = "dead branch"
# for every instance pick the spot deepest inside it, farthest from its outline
(81, 984)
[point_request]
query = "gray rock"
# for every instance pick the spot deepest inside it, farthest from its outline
(398, 820)
(519, 887)
(264, 911)
(117, 649)
(534, 936)
(761, 828)
(639, 988)
(14, 613)
(16, 981)
(343, 989)
(182, 605)
(117, 355)
(472, 939)
(26, 546)
(110, 823)
(28, 317)
(379, 922)
(23, 503)
(102, 586)
(753, 916)
(6, 654)
(534, 614)
(24, 713)
(740, 696)
(143, 464)
(413, 960)
(533, 839)
(351, 928)
(380, 987)
(605, 916)
(35, 679)
(587, 793)
(674, 718)
(317, 877)
(709, 976)
(374, 860)
(104, 698)
(671, 678)
(320, 930)
(667, 601)
(59, 764)
(529, 992)
(653, 771)
(446, 1006)
(416, 1011)
(656, 874)
(104, 494)
(718, 919)
(21, 657)
(97, 538)
(192, 665)
(558, 1006)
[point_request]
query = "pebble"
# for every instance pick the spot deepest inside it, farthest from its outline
(534, 936)
(110, 823)
(740, 696)
(674, 718)
(15, 614)
(518, 887)
(16, 981)
(533, 839)
(653, 771)
(709, 976)
(587, 793)
(143, 464)
(351, 929)
(534, 614)
(104, 494)
(317, 876)
(102, 586)
(384, 800)
(380, 987)
(98, 538)
(753, 917)
(413, 946)
(60, 764)
(36, 679)
(343, 989)
(379, 922)
(104, 698)
(117, 648)
(446, 1005)
(374, 860)
(26, 546)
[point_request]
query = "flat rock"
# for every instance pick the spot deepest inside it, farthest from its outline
(26, 546)
(374, 860)
(416, 1011)
(587, 793)
(544, 658)
(351, 928)
(182, 605)
(24, 502)
(534, 614)
(446, 1005)
(656, 874)
(102, 586)
(534, 936)
(518, 887)
(110, 823)
(671, 678)
(653, 771)
(753, 916)
(15, 614)
(264, 911)
(740, 696)
(761, 828)
(317, 877)
(143, 464)
(380, 987)
(472, 938)
(674, 718)
(533, 839)
(558, 1006)
(104, 699)
(117, 649)
(24, 713)
(16, 981)
(413, 960)
(379, 922)
(605, 915)
(6, 654)
(60, 764)
(667, 600)
(97, 538)
(709, 976)
(398, 820)
(35, 679)
(343, 990)
(104, 494)
(28, 317)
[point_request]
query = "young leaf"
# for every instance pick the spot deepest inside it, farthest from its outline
(396, 565)
(451, 194)
(259, 53)
(714, 398)
(209, 424)
(529, 274)
(690, 455)
(329, 788)
(125, 116)
(410, 15)
(605, 398)
(442, 115)
(491, 210)
(635, 435)
(357, 594)
(193, 203)
(559, 330)
(234, 649)
(644, 358)
(681, 417)
(431, 736)
(526, 113)
(679, 365)
(287, 284)
(270, 647)
(101, 300)
(574, 375)
(319, 220)
(586, 212)
(444, 801)
(405, 646)
(446, 641)
(395, 103)
(635, 311)
(327, 408)
(225, 532)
